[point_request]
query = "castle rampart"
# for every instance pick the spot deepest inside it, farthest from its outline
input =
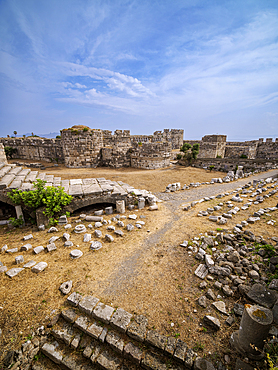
(81, 146)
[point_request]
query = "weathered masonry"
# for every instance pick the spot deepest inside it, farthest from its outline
(216, 146)
(81, 146)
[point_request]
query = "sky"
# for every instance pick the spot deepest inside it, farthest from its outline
(204, 66)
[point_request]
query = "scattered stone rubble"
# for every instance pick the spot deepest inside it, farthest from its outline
(51, 247)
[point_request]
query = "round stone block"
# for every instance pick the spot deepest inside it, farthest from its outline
(80, 229)
(76, 253)
(95, 246)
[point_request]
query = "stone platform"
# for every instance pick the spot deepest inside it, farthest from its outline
(85, 192)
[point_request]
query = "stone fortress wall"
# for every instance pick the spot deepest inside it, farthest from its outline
(216, 146)
(81, 146)
(36, 148)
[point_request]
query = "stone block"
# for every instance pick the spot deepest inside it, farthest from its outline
(115, 341)
(262, 296)
(108, 361)
(14, 271)
(94, 330)
(39, 267)
(180, 351)
(74, 299)
(38, 249)
(151, 361)
(138, 328)
(29, 264)
(82, 323)
(103, 312)
(201, 271)
(133, 353)
(120, 320)
(19, 259)
(170, 346)
(26, 247)
(51, 247)
(50, 351)
(96, 351)
(156, 340)
(87, 304)
(211, 322)
(69, 315)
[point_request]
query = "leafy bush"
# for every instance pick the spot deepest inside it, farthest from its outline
(243, 156)
(179, 156)
(218, 156)
(16, 222)
(58, 137)
(211, 167)
(85, 129)
(9, 151)
(53, 198)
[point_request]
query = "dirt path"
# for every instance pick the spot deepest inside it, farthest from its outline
(122, 279)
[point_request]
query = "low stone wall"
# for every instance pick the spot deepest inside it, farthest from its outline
(226, 165)
(37, 149)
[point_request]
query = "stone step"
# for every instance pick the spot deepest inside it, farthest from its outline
(6, 180)
(4, 170)
(119, 330)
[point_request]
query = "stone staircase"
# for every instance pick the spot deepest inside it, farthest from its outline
(92, 335)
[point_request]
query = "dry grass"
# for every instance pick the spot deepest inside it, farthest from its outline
(154, 180)
(144, 272)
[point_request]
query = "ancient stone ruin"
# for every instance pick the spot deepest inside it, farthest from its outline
(81, 146)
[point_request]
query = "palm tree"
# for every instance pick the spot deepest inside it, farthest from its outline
(15, 133)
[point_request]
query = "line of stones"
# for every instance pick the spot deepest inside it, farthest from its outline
(124, 322)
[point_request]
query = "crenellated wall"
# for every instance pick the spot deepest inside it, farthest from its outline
(216, 146)
(81, 146)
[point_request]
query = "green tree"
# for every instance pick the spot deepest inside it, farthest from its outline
(53, 198)
(195, 150)
(185, 148)
(15, 133)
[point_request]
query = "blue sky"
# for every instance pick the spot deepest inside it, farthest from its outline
(205, 66)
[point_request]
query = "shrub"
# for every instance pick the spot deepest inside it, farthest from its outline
(218, 156)
(16, 222)
(58, 137)
(85, 129)
(243, 156)
(53, 198)
(9, 151)
(179, 156)
(211, 167)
